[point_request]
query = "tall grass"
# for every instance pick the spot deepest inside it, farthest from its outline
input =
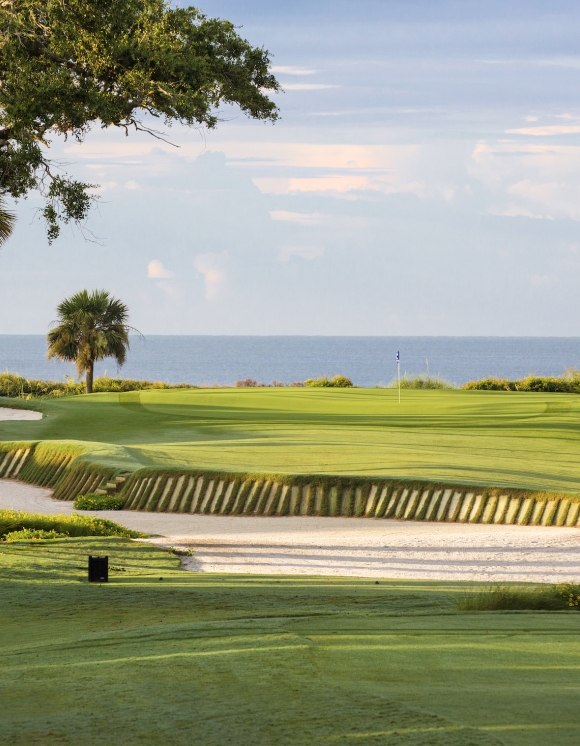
(70, 525)
(422, 382)
(521, 598)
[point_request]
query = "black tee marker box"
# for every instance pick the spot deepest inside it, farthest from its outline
(98, 569)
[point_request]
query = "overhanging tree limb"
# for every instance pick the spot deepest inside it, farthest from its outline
(68, 64)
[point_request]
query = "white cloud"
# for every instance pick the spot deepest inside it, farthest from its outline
(539, 282)
(156, 271)
(291, 70)
(131, 185)
(303, 251)
(547, 130)
(538, 181)
(211, 267)
(106, 186)
(302, 218)
(513, 210)
(278, 185)
(307, 86)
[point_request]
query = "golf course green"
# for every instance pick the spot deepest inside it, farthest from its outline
(160, 655)
(489, 438)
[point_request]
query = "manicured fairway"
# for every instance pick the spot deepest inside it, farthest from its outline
(477, 437)
(217, 659)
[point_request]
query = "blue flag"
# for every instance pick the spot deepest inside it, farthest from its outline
(398, 358)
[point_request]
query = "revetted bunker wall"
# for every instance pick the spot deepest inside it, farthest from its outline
(217, 493)
(59, 465)
(54, 465)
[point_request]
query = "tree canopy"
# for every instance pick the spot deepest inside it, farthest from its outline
(66, 65)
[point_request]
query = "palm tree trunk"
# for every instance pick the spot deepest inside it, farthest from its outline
(89, 379)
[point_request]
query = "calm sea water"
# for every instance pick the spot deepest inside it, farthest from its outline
(368, 361)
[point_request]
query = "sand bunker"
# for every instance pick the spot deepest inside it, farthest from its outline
(6, 413)
(343, 546)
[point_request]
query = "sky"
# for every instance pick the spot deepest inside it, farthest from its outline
(423, 180)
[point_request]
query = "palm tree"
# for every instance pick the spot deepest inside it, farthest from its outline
(7, 220)
(90, 327)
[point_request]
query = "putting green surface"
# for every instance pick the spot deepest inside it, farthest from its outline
(515, 439)
(218, 659)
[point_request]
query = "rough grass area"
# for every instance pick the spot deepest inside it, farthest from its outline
(69, 525)
(490, 438)
(218, 659)
(521, 598)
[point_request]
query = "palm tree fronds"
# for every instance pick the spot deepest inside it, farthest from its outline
(7, 220)
(90, 327)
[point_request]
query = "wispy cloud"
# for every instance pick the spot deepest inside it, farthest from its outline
(546, 130)
(541, 182)
(304, 251)
(540, 282)
(211, 267)
(302, 218)
(307, 86)
(291, 70)
(156, 271)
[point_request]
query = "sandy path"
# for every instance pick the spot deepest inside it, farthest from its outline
(343, 546)
(6, 413)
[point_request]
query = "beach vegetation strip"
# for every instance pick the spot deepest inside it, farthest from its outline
(480, 439)
(160, 655)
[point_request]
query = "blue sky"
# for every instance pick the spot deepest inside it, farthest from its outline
(423, 179)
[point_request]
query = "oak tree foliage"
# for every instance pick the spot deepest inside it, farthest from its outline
(68, 65)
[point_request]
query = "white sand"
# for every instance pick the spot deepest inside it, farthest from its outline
(6, 413)
(343, 546)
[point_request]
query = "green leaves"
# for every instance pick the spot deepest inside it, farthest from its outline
(68, 64)
(91, 327)
(6, 222)
(67, 200)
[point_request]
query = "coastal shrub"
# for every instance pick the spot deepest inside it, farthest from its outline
(92, 501)
(521, 598)
(247, 383)
(340, 382)
(69, 525)
(17, 387)
(568, 383)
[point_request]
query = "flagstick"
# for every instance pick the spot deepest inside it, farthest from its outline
(399, 377)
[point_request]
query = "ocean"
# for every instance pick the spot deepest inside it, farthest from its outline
(368, 361)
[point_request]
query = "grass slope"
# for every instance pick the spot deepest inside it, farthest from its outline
(217, 659)
(527, 440)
